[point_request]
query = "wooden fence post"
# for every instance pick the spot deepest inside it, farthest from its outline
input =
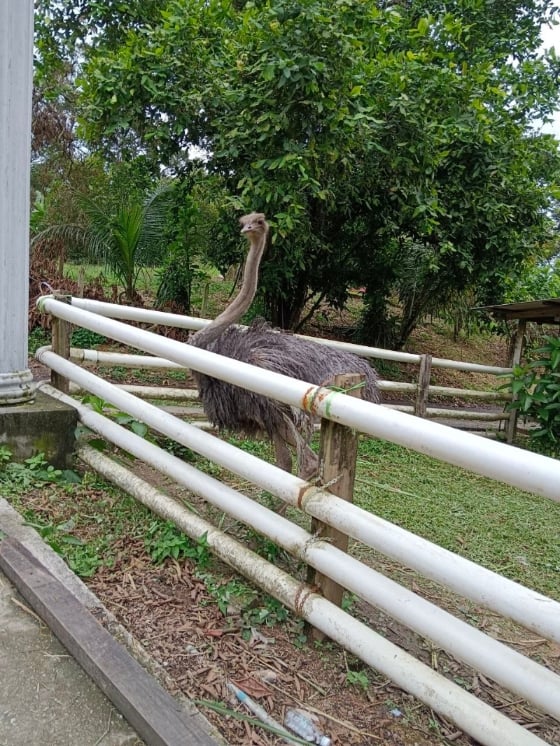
(424, 375)
(61, 334)
(515, 360)
(337, 470)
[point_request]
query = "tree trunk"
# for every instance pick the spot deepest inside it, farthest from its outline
(285, 310)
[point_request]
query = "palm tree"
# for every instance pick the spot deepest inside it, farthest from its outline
(124, 236)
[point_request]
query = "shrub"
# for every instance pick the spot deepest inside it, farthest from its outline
(536, 390)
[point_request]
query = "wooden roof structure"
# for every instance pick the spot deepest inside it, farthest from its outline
(546, 311)
(540, 311)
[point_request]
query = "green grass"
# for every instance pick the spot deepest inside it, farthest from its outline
(147, 278)
(81, 518)
(90, 271)
(507, 530)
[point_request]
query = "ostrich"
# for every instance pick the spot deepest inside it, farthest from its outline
(233, 408)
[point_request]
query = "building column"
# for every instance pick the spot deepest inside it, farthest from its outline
(16, 85)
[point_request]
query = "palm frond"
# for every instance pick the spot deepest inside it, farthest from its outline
(71, 234)
(156, 211)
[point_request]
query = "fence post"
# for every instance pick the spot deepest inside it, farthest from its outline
(424, 375)
(61, 334)
(515, 360)
(337, 470)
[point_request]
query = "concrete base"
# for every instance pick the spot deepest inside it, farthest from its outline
(16, 387)
(44, 425)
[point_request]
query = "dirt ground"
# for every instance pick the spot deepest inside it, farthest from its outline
(169, 611)
(202, 647)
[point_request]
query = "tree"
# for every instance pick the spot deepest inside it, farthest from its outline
(124, 234)
(193, 214)
(389, 146)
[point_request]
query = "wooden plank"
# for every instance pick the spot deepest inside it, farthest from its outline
(424, 376)
(61, 334)
(158, 719)
(547, 315)
(337, 470)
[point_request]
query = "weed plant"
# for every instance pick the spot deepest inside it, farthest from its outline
(536, 391)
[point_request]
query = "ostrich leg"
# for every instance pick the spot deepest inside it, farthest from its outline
(308, 461)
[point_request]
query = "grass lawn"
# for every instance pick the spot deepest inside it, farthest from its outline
(147, 277)
(507, 530)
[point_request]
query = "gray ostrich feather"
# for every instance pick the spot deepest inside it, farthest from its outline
(233, 408)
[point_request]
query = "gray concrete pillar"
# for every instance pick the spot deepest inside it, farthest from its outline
(16, 81)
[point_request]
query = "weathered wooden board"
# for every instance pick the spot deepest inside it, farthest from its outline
(158, 719)
(337, 470)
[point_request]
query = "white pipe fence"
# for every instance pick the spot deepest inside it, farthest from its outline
(523, 469)
(533, 610)
(421, 390)
(148, 316)
(125, 360)
(501, 663)
(507, 667)
(528, 471)
(487, 725)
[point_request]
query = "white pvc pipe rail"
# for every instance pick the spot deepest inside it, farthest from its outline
(471, 715)
(151, 392)
(97, 357)
(532, 609)
(509, 668)
(521, 672)
(126, 360)
(523, 469)
(130, 313)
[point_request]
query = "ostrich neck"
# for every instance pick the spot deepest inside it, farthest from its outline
(241, 303)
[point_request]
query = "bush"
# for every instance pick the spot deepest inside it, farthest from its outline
(536, 390)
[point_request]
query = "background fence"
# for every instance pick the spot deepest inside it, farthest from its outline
(417, 394)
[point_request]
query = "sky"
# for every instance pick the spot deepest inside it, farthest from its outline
(551, 38)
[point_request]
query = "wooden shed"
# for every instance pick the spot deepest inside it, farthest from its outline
(546, 311)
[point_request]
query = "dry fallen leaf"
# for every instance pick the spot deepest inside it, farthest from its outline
(253, 687)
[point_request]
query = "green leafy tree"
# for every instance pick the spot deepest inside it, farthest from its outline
(536, 280)
(192, 214)
(536, 390)
(390, 146)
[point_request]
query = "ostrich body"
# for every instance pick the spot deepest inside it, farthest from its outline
(230, 407)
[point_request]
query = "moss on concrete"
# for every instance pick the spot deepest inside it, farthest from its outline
(44, 425)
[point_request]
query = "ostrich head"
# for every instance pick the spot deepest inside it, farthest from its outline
(253, 226)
